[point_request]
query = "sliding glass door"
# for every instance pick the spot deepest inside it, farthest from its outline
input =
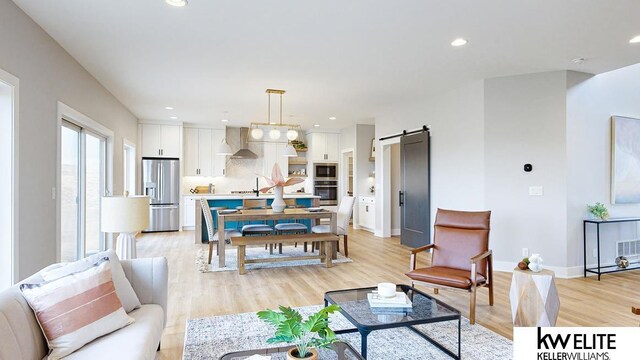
(82, 187)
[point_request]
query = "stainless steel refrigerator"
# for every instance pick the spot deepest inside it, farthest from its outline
(161, 182)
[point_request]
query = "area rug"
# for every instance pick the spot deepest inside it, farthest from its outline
(210, 338)
(231, 253)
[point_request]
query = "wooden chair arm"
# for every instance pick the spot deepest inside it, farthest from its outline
(477, 258)
(414, 255)
(422, 248)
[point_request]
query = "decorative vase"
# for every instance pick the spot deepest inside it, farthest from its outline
(278, 203)
(312, 352)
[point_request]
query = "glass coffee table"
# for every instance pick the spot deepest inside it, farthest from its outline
(339, 351)
(355, 307)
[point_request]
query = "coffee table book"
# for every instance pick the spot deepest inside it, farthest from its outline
(400, 301)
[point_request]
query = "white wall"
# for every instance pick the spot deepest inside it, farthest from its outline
(457, 145)
(525, 123)
(591, 101)
(48, 74)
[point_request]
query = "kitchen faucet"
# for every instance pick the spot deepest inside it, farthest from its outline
(257, 189)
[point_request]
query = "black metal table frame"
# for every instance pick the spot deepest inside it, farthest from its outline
(365, 330)
(598, 270)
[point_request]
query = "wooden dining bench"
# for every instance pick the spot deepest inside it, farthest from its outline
(329, 241)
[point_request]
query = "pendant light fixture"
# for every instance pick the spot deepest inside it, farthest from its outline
(289, 151)
(274, 129)
(224, 148)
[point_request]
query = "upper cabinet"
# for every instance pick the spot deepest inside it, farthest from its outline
(160, 140)
(274, 153)
(323, 147)
(219, 161)
(200, 158)
(198, 152)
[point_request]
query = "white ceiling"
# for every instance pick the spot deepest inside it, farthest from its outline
(343, 58)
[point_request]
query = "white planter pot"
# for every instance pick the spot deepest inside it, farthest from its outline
(278, 205)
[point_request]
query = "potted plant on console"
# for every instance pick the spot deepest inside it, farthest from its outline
(307, 335)
(599, 211)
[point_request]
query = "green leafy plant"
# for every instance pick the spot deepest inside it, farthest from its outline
(599, 211)
(304, 334)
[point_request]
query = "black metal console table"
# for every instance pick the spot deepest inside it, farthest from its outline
(599, 270)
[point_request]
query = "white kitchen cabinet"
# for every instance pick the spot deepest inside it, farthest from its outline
(274, 153)
(161, 140)
(189, 212)
(198, 152)
(323, 147)
(367, 212)
(219, 161)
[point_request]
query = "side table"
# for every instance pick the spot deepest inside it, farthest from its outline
(534, 298)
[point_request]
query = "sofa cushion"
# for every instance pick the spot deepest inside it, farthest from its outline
(124, 289)
(76, 309)
(136, 341)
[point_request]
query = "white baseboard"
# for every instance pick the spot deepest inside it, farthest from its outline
(561, 272)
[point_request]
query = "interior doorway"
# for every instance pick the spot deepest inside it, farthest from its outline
(347, 175)
(8, 179)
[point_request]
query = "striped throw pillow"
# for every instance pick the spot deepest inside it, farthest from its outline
(76, 309)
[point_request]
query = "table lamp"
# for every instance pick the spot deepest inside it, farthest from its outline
(125, 215)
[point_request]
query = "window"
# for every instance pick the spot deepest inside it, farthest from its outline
(85, 177)
(129, 162)
(8, 168)
(82, 188)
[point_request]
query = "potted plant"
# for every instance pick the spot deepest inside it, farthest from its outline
(307, 335)
(599, 211)
(277, 182)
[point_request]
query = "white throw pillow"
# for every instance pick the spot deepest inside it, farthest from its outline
(124, 289)
(76, 309)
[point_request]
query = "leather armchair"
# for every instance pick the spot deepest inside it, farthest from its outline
(460, 255)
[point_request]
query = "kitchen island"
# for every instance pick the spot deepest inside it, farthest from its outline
(232, 201)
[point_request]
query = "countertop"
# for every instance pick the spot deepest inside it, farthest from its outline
(252, 196)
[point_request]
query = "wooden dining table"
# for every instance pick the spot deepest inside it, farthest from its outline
(248, 216)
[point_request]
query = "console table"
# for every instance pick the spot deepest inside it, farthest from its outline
(599, 270)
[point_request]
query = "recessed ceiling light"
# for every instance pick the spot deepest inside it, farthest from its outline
(169, 107)
(459, 42)
(316, 125)
(332, 118)
(635, 40)
(177, 3)
(578, 60)
(174, 118)
(224, 120)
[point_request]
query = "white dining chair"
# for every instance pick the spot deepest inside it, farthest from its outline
(212, 231)
(344, 215)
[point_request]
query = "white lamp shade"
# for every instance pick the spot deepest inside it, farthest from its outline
(292, 134)
(124, 214)
(289, 151)
(257, 133)
(274, 134)
(224, 148)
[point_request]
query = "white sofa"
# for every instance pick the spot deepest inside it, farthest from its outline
(21, 337)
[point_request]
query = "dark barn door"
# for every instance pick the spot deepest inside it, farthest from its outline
(414, 193)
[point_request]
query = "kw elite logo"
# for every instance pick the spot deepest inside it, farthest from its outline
(576, 346)
(575, 343)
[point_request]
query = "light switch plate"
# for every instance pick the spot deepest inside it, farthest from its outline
(536, 191)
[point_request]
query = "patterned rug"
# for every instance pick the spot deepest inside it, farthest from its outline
(202, 256)
(210, 338)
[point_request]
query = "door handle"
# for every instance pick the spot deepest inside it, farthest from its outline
(401, 197)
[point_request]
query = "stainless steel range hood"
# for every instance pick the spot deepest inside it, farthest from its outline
(244, 152)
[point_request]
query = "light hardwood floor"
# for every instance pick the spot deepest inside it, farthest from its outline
(584, 302)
